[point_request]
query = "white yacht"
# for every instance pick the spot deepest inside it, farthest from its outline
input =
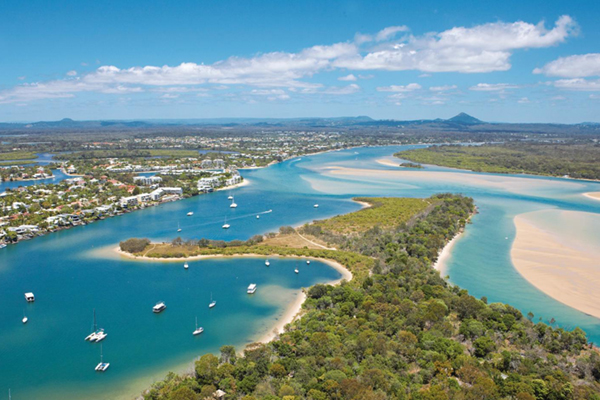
(100, 335)
(233, 203)
(2, 245)
(212, 302)
(251, 288)
(258, 217)
(198, 330)
(29, 297)
(102, 366)
(178, 227)
(190, 213)
(25, 319)
(230, 197)
(296, 270)
(307, 261)
(226, 225)
(159, 307)
(267, 263)
(316, 206)
(186, 266)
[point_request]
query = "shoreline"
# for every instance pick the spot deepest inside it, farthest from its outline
(557, 264)
(244, 182)
(440, 264)
(592, 195)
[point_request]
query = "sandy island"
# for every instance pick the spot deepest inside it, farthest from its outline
(556, 263)
(291, 313)
(592, 195)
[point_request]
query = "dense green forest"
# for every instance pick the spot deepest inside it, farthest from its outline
(397, 330)
(574, 160)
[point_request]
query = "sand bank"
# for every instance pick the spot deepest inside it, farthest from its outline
(245, 182)
(556, 263)
(444, 255)
(592, 195)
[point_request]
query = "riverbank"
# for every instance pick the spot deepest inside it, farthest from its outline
(244, 182)
(444, 255)
(556, 262)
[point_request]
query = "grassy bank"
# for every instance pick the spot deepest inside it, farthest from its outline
(575, 160)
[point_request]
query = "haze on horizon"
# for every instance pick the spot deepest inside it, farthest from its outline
(509, 62)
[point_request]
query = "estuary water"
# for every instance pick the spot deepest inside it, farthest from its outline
(75, 271)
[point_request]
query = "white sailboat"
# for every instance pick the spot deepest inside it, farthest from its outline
(296, 269)
(267, 263)
(198, 330)
(190, 213)
(307, 261)
(226, 225)
(178, 227)
(316, 206)
(94, 335)
(186, 266)
(233, 203)
(25, 319)
(102, 366)
(212, 302)
(230, 197)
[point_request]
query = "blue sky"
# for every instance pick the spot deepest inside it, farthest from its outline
(533, 61)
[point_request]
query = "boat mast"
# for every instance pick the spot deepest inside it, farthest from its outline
(95, 324)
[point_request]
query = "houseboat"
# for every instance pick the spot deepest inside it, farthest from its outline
(159, 307)
(251, 288)
(29, 297)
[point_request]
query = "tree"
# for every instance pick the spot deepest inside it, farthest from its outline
(206, 369)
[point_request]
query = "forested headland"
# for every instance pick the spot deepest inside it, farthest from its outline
(576, 160)
(397, 330)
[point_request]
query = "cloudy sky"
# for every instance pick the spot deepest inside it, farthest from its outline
(510, 61)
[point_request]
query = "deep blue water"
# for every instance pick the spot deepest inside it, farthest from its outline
(72, 272)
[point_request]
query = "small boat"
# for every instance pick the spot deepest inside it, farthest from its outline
(178, 227)
(198, 330)
(267, 263)
(226, 225)
(29, 297)
(230, 197)
(233, 203)
(190, 213)
(159, 307)
(102, 366)
(258, 217)
(212, 302)
(308, 262)
(186, 266)
(316, 206)
(92, 336)
(252, 288)
(25, 320)
(296, 270)
(2, 245)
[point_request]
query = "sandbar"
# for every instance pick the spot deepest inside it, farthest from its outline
(592, 195)
(552, 260)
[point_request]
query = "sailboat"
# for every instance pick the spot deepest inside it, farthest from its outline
(233, 203)
(226, 225)
(307, 262)
(230, 197)
(198, 330)
(186, 266)
(267, 263)
(25, 319)
(212, 302)
(102, 366)
(93, 336)
(296, 270)
(178, 227)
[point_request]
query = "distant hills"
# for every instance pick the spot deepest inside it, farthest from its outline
(460, 122)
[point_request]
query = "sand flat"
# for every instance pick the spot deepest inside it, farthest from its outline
(555, 263)
(593, 195)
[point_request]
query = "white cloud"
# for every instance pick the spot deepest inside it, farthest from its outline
(342, 90)
(482, 48)
(443, 88)
(398, 88)
(169, 96)
(272, 94)
(389, 32)
(492, 87)
(577, 66)
(21, 78)
(350, 77)
(523, 100)
(72, 73)
(578, 84)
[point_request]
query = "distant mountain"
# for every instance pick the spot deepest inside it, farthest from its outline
(464, 118)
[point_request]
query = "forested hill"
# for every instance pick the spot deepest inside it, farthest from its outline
(400, 332)
(573, 160)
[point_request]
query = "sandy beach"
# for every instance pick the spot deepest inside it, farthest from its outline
(592, 195)
(245, 182)
(441, 263)
(557, 263)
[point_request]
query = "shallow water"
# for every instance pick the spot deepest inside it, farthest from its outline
(72, 272)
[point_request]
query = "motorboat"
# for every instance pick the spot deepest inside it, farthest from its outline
(190, 213)
(159, 307)
(29, 297)
(316, 206)
(252, 288)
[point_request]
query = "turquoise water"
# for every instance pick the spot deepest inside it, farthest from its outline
(74, 271)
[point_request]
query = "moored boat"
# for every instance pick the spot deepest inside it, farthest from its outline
(252, 288)
(159, 307)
